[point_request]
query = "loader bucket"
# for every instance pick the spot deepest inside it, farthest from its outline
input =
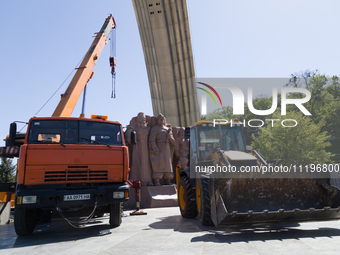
(254, 201)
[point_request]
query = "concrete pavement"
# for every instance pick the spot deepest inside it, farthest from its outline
(164, 231)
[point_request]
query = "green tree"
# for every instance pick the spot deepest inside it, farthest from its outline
(334, 87)
(323, 92)
(226, 112)
(324, 104)
(303, 144)
(7, 171)
(262, 103)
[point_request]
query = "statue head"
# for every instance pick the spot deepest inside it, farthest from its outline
(161, 120)
(141, 120)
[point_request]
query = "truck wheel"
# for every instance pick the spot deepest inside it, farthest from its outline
(203, 202)
(115, 214)
(186, 198)
(25, 221)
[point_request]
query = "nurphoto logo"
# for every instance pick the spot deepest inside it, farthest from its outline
(238, 99)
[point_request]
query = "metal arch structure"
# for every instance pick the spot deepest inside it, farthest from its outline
(164, 31)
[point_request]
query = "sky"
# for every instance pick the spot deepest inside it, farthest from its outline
(43, 41)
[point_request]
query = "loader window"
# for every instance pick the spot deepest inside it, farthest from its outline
(193, 149)
(232, 138)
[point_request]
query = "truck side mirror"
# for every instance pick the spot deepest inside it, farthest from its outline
(12, 133)
(133, 137)
(187, 133)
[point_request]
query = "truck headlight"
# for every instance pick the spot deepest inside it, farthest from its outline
(118, 194)
(29, 199)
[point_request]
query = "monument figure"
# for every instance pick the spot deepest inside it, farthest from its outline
(140, 166)
(182, 149)
(161, 141)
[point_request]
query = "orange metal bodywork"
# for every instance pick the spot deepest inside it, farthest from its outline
(47, 160)
(41, 164)
(21, 164)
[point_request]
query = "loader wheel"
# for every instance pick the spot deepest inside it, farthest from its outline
(203, 202)
(115, 214)
(186, 198)
(25, 221)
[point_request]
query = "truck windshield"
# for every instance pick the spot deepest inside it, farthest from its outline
(232, 137)
(73, 132)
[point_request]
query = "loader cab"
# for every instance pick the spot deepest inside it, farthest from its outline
(206, 140)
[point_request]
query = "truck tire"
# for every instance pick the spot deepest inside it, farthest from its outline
(203, 202)
(25, 221)
(115, 214)
(186, 198)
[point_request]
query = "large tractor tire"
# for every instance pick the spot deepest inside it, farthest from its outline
(25, 221)
(115, 214)
(186, 198)
(203, 202)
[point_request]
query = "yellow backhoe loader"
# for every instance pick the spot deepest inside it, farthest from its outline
(234, 196)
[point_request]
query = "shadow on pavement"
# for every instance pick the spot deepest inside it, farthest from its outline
(249, 233)
(178, 223)
(58, 231)
(264, 234)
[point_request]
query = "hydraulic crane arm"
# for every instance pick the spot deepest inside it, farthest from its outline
(84, 71)
(70, 97)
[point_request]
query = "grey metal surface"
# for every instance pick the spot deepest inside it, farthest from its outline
(273, 200)
(164, 231)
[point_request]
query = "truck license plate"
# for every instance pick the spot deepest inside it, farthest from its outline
(77, 197)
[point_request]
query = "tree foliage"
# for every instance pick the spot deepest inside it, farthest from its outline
(226, 112)
(300, 145)
(324, 104)
(263, 103)
(316, 138)
(7, 171)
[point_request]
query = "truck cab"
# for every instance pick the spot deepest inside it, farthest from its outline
(71, 165)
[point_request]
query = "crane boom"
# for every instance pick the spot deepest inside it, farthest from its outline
(69, 99)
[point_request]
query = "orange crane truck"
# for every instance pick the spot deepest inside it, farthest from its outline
(71, 166)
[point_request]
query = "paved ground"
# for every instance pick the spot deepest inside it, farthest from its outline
(164, 231)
